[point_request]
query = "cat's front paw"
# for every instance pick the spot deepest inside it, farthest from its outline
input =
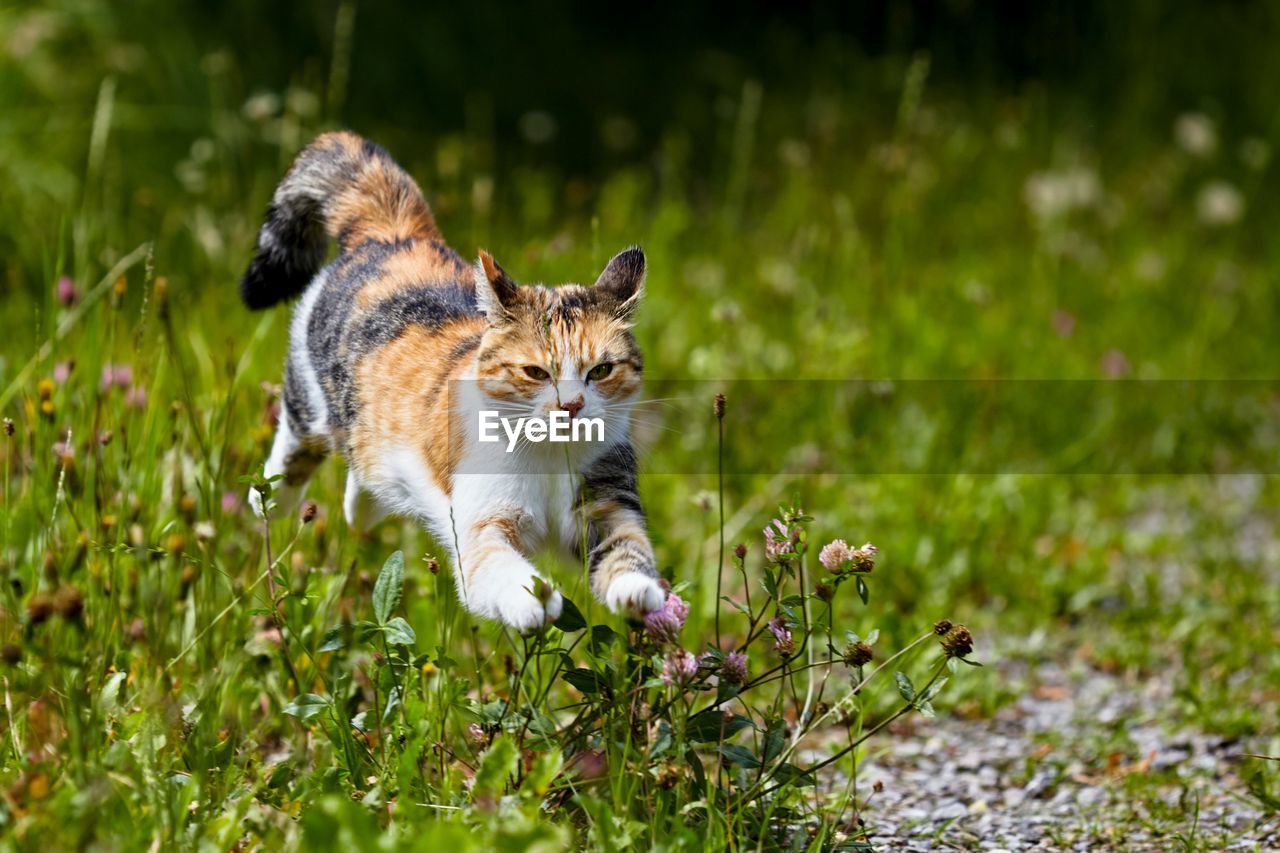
(635, 594)
(531, 607)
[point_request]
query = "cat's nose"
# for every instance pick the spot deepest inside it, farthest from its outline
(573, 406)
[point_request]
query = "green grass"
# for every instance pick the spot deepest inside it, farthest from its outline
(846, 231)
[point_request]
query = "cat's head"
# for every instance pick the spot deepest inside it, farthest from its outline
(568, 347)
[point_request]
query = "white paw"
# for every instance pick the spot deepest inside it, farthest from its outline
(635, 593)
(520, 609)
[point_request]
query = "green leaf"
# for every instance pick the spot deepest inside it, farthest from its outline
(705, 726)
(789, 774)
(332, 640)
(109, 697)
(775, 737)
(399, 632)
(496, 765)
(602, 637)
(863, 592)
(585, 680)
(571, 618)
(905, 687)
(933, 690)
(386, 592)
(739, 755)
(307, 706)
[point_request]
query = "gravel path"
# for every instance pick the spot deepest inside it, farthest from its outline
(1081, 762)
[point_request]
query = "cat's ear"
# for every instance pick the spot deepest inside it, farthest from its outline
(495, 290)
(623, 281)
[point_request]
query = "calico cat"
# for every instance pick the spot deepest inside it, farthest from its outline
(396, 343)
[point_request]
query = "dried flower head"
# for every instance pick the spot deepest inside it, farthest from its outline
(941, 627)
(308, 513)
(824, 591)
(740, 551)
(958, 642)
(69, 603)
(718, 407)
(433, 565)
(39, 608)
(783, 641)
(9, 428)
(679, 668)
(858, 654)
(864, 559)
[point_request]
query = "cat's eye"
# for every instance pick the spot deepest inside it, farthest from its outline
(600, 371)
(535, 372)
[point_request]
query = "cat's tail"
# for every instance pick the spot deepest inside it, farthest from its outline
(340, 187)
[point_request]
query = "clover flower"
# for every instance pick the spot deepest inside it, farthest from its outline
(778, 543)
(835, 554)
(864, 559)
(65, 291)
(734, 668)
(679, 668)
(857, 654)
(117, 376)
(783, 641)
(663, 625)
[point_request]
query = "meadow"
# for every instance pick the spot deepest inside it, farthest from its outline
(175, 673)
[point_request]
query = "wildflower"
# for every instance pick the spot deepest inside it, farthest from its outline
(44, 389)
(1054, 194)
(136, 397)
(1115, 364)
(476, 736)
(230, 502)
(778, 543)
(835, 554)
(68, 602)
(1195, 134)
(783, 641)
(941, 627)
(663, 625)
(734, 668)
(39, 608)
(62, 371)
(429, 669)
(740, 551)
(1064, 323)
(679, 668)
(116, 376)
(433, 565)
(308, 513)
(864, 559)
(204, 531)
(718, 407)
(857, 654)
(958, 642)
(65, 291)
(1219, 203)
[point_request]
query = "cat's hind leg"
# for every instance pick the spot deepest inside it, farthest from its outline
(294, 458)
